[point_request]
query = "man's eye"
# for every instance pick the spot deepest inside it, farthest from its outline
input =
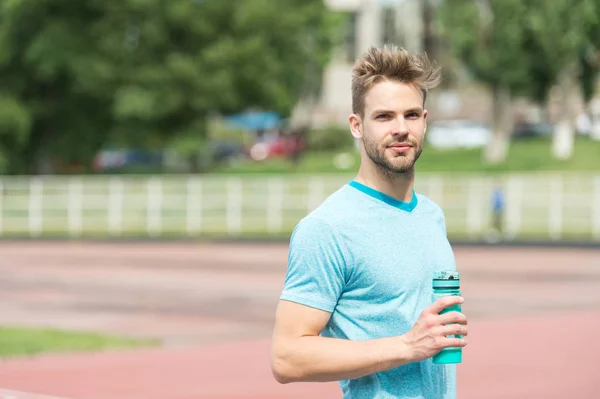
(383, 116)
(413, 115)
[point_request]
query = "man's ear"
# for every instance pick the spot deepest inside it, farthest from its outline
(425, 119)
(355, 126)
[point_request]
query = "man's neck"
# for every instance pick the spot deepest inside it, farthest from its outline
(396, 185)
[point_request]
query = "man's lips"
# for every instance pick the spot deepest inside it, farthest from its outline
(400, 147)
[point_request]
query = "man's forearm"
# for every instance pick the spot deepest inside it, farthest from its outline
(323, 359)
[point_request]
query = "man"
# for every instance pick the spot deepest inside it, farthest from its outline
(356, 305)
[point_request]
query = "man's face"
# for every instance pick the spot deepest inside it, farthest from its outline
(392, 130)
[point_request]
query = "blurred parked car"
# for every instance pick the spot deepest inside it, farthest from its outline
(276, 146)
(124, 158)
(525, 130)
(458, 134)
(223, 151)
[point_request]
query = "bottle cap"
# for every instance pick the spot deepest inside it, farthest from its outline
(446, 279)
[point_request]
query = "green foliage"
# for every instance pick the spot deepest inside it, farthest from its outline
(556, 34)
(79, 75)
(590, 67)
(521, 45)
(590, 55)
(330, 138)
(487, 37)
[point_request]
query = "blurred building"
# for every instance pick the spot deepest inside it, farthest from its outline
(369, 23)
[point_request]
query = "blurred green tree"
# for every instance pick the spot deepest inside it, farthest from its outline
(589, 61)
(487, 37)
(521, 48)
(52, 92)
(558, 34)
(80, 74)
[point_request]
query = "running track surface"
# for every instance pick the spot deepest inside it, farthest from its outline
(534, 319)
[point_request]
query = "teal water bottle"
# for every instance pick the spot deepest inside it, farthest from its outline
(447, 283)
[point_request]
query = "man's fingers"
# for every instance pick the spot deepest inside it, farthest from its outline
(444, 302)
(454, 343)
(452, 317)
(454, 329)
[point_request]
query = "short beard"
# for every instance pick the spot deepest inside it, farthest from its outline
(385, 166)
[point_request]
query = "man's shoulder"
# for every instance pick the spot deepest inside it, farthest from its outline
(428, 204)
(335, 206)
(432, 211)
(329, 217)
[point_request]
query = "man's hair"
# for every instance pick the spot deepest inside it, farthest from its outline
(395, 64)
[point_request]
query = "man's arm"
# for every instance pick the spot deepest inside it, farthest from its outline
(299, 354)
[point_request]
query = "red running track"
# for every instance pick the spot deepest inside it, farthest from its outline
(550, 357)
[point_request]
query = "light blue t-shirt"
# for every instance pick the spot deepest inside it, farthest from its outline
(369, 259)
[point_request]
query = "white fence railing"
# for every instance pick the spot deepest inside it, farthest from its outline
(545, 206)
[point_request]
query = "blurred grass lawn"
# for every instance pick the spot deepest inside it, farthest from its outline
(524, 156)
(16, 341)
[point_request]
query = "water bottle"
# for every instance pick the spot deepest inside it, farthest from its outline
(447, 283)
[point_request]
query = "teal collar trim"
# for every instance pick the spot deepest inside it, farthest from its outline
(405, 206)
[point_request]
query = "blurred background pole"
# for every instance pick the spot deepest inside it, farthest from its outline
(368, 26)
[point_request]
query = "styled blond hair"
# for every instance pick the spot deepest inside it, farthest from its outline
(391, 63)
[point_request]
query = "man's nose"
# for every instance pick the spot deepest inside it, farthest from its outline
(399, 128)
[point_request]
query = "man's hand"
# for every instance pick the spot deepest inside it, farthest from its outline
(428, 335)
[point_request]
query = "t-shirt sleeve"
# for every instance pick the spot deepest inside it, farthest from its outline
(441, 219)
(316, 266)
